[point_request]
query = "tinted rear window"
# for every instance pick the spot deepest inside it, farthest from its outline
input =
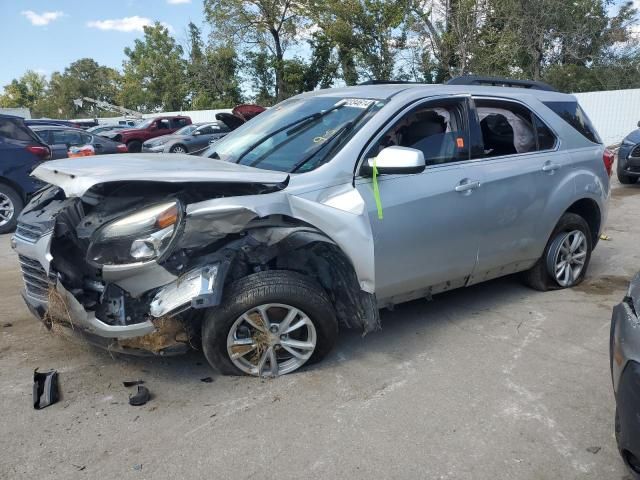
(571, 113)
(11, 129)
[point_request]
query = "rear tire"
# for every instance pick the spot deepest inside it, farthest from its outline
(134, 146)
(285, 289)
(542, 276)
(626, 179)
(11, 205)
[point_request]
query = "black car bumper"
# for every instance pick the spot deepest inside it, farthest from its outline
(628, 417)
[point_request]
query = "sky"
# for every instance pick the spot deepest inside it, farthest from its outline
(47, 35)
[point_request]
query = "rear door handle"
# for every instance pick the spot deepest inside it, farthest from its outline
(550, 167)
(467, 185)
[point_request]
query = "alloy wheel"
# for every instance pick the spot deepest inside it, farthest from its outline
(7, 210)
(569, 257)
(271, 339)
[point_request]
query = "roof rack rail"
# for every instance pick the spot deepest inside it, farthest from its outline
(500, 82)
(388, 82)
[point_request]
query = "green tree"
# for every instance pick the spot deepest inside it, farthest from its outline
(263, 27)
(213, 73)
(155, 75)
(27, 92)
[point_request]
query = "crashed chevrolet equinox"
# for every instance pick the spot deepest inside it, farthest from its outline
(313, 216)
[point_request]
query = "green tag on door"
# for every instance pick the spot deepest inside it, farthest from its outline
(376, 191)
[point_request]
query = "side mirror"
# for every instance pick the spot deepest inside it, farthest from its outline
(638, 124)
(196, 133)
(153, 126)
(395, 160)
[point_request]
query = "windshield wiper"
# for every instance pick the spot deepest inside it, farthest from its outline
(339, 133)
(298, 124)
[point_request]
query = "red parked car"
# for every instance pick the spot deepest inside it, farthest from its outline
(150, 128)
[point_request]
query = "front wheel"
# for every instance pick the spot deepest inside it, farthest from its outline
(566, 257)
(178, 149)
(10, 207)
(626, 179)
(134, 146)
(270, 323)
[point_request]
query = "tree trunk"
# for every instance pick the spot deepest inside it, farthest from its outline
(281, 94)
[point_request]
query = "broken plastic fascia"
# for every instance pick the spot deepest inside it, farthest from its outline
(338, 212)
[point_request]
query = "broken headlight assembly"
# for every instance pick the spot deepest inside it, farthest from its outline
(139, 237)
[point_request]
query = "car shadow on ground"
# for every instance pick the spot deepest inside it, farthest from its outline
(455, 309)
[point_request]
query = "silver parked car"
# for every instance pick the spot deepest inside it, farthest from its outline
(314, 215)
(190, 139)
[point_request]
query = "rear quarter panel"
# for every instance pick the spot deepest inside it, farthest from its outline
(16, 165)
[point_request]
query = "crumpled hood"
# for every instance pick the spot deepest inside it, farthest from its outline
(76, 176)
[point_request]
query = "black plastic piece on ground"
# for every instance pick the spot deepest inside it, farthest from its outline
(45, 389)
(207, 380)
(132, 383)
(141, 397)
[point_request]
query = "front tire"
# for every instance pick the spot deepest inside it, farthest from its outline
(566, 257)
(11, 205)
(178, 149)
(270, 323)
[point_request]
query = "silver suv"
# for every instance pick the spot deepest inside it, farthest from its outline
(316, 214)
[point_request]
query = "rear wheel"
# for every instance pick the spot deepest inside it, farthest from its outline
(11, 205)
(566, 256)
(134, 146)
(270, 323)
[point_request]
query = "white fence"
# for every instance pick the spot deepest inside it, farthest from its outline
(614, 113)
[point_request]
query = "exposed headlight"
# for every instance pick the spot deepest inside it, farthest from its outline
(140, 237)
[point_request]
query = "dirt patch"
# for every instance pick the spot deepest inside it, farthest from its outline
(604, 285)
(622, 192)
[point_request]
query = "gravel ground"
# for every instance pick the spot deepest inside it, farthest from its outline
(491, 382)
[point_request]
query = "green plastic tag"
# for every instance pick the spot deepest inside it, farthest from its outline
(376, 191)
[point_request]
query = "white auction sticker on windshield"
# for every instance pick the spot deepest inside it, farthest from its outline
(356, 102)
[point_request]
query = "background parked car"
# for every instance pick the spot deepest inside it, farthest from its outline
(625, 373)
(150, 128)
(628, 169)
(49, 121)
(188, 139)
(102, 129)
(75, 137)
(20, 152)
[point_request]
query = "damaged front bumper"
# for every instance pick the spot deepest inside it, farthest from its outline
(158, 330)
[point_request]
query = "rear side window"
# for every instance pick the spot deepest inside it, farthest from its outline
(572, 113)
(12, 130)
(509, 128)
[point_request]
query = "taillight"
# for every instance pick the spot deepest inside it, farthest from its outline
(608, 158)
(122, 148)
(38, 150)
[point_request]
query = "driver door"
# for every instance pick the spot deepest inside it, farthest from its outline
(427, 239)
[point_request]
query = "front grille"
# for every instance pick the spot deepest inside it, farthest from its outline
(635, 152)
(36, 281)
(28, 233)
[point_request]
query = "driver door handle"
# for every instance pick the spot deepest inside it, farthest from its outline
(467, 185)
(550, 167)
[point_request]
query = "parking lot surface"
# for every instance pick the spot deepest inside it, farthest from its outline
(495, 381)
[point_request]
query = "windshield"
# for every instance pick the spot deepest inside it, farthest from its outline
(296, 135)
(144, 124)
(186, 130)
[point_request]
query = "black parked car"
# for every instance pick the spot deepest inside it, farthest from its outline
(75, 137)
(625, 372)
(628, 169)
(20, 152)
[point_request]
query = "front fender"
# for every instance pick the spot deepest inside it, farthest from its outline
(338, 212)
